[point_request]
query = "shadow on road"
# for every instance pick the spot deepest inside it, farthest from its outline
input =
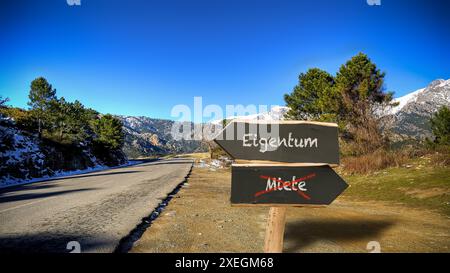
(27, 196)
(35, 186)
(50, 243)
(51, 183)
(96, 174)
(169, 162)
(301, 234)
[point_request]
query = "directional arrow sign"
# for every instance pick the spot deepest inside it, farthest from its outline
(317, 185)
(284, 141)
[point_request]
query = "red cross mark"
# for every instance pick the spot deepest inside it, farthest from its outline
(286, 184)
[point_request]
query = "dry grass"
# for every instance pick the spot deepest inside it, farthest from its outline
(200, 219)
(440, 159)
(382, 159)
(375, 161)
(441, 156)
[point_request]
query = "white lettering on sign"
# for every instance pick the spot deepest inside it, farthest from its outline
(274, 184)
(272, 143)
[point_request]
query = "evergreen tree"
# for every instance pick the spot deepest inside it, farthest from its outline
(41, 96)
(313, 97)
(351, 99)
(109, 132)
(71, 120)
(440, 125)
(361, 87)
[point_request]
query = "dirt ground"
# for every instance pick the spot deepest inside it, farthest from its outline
(201, 219)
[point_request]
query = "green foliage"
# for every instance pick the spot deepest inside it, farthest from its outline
(23, 119)
(41, 93)
(225, 122)
(68, 125)
(361, 86)
(108, 131)
(41, 96)
(350, 99)
(313, 97)
(70, 120)
(440, 125)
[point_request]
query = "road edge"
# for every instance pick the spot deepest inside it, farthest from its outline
(127, 242)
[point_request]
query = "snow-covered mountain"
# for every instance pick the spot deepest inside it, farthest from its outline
(437, 92)
(411, 117)
(275, 113)
(146, 136)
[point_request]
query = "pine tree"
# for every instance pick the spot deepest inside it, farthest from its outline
(361, 87)
(71, 120)
(109, 132)
(41, 96)
(313, 97)
(440, 125)
(351, 99)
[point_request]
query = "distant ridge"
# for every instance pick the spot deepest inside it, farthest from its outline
(146, 136)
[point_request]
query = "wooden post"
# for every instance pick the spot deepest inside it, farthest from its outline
(275, 230)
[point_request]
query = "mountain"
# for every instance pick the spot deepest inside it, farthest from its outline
(25, 156)
(275, 113)
(146, 136)
(411, 117)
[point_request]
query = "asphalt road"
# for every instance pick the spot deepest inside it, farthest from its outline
(96, 209)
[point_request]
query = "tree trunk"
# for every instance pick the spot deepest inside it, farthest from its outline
(39, 128)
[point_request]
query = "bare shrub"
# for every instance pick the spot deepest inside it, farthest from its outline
(371, 162)
(440, 156)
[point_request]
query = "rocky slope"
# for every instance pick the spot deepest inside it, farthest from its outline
(411, 117)
(24, 156)
(275, 113)
(146, 136)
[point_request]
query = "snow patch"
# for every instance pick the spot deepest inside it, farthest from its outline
(276, 113)
(403, 101)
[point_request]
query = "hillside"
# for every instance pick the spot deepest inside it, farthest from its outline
(146, 136)
(411, 117)
(24, 156)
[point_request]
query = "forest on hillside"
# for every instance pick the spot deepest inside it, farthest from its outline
(54, 135)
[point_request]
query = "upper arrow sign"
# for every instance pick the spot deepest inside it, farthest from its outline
(283, 141)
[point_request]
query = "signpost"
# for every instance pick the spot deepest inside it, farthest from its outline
(282, 164)
(288, 142)
(292, 186)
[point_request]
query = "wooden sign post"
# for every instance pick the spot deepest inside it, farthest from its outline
(273, 242)
(282, 164)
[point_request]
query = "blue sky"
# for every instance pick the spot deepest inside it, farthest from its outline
(143, 57)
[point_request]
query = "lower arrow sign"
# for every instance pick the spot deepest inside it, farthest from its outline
(318, 185)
